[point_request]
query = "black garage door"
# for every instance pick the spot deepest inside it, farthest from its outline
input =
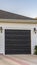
(17, 41)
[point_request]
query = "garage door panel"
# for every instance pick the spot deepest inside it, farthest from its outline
(14, 51)
(18, 44)
(14, 35)
(16, 31)
(17, 37)
(17, 41)
(18, 48)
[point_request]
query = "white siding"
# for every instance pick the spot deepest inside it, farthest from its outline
(17, 26)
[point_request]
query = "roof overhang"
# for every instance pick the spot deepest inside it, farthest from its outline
(18, 21)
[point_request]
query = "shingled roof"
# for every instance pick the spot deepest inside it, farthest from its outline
(8, 15)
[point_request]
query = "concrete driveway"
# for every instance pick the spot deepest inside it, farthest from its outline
(18, 59)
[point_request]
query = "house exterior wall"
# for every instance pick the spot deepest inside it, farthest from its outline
(21, 27)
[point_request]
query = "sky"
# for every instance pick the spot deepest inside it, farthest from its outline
(22, 7)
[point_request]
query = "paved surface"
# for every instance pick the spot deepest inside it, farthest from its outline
(18, 60)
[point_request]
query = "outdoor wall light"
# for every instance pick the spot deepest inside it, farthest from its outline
(35, 30)
(1, 29)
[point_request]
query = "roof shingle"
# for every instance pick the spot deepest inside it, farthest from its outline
(8, 15)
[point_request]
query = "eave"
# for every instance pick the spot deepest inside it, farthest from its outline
(18, 21)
